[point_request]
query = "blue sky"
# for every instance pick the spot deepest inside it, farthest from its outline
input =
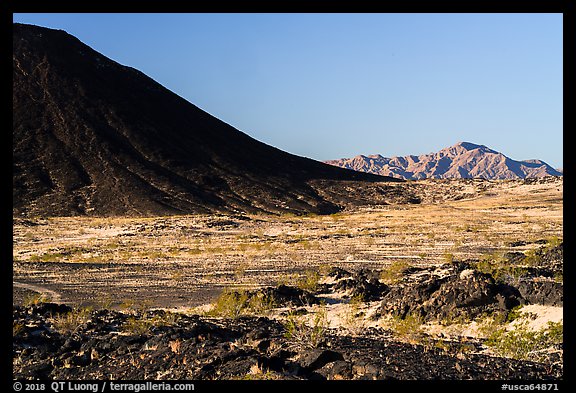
(328, 86)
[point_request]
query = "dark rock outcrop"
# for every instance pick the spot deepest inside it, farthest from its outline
(285, 295)
(362, 284)
(460, 290)
(468, 293)
(548, 293)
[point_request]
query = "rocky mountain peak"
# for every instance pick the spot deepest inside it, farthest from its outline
(461, 160)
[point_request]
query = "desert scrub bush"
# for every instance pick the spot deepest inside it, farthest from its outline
(257, 373)
(490, 322)
(34, 299)
(69, 322)
(58, 254)
(104, 302)
(140, 323)
(17, 328)
(511, 275)
(532, 258)
(500, 268)
(155, 254)
(165, 319)
(443, 346)
(325, 269)
(552, 242)
(490, 261)
(336, 216)
(302, 335)
(288, 216)
(127, 304)
(196, 251)
(235, 303)
(454, 318)
(393, 273)
(522, 343)
(309, 281)
(448, 257)
(408, 329)
(177, 276)
(230, 304)
(136, 306)
(240, 269)
(260, 304)
(310, 245)
(559, 277)
(353, 316)
(515, 313)
(137, 326)
(47, 257)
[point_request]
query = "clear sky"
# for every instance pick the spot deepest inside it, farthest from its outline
(328, 86)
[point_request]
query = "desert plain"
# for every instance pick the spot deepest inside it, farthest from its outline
(184, 264)
(184, 261)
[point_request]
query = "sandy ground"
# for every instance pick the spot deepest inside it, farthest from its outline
(185, 261)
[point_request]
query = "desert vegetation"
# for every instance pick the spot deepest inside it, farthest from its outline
(461, 282)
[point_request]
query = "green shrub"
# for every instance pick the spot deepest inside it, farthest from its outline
(140, 324)
(500, 268)
(448, 257)
(523, 343)
(230, 304)
(34, 299)
(259, 304)
(532, 258)
(559, 276)
(408, 328)
(47, 257)
(514, 313)
(235, 303)
(552, 242)
(555, 332)
(393, 273)
(137, 326)
(309, 281)
(442, 346)
(166, 319)
(71, 321)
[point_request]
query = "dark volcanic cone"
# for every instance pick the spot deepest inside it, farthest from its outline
(91, 136)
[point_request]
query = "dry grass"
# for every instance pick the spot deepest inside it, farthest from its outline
(69, 322)
(186, 260)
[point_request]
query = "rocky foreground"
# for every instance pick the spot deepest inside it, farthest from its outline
(199, 348)
(55, 341)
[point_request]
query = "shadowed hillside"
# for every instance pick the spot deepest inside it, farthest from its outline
(91, 136)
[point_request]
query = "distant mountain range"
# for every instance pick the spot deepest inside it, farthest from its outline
(463, 160)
